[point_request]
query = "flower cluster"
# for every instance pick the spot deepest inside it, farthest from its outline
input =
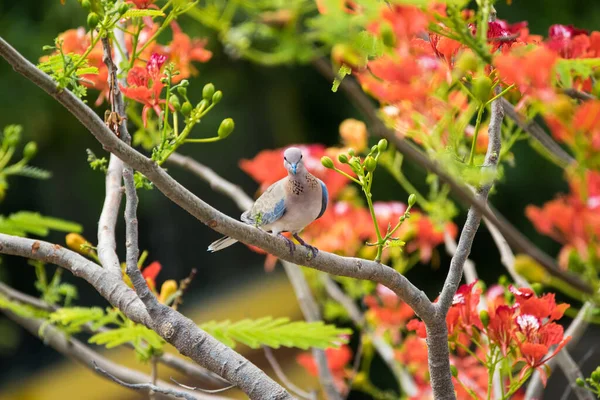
(521, 333)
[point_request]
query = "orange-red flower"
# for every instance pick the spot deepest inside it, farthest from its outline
(145, 86)
(183, 50)
(463, 313)
(150, 272)
(427, 235)
(337, 359)
(387, 312)
(567, 41)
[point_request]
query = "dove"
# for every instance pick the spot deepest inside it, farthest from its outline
(288, 205)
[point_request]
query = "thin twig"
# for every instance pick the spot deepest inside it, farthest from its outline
(283, 378)
(201, 389)
(146, 387)
(23, 298)
(578, 94)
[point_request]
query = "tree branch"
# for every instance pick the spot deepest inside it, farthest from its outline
(515, 238)
(284, 379)
(79, 352)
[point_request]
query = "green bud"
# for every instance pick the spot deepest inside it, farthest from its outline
(93, 19)
(217, 97)
(208, 91)
(481, 88)
(580, 382)
(596, 376)
(454, 370)
(86, 4)
(343, 158)
(370, 164)
(123, 8)
(184, 83)
(538, 288)
(412, 199)
(174, 100)
(30, 150)
(467, 62)
(327, 162)
(186, 108)
(484, 316)
(503, 280)
(387, 34)
(351, 152)
(182, 90)
(382, 145)
(226, 128)
(374, 148)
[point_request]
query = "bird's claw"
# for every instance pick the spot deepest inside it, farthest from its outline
(290, 244)
(312, 249)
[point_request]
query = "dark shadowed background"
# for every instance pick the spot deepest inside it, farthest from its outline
(272, 107)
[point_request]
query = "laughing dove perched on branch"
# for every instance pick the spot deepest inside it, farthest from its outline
(288, 205)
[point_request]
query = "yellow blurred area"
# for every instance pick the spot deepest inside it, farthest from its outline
(271, 296)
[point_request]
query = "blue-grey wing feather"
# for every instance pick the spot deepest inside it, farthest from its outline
(324, 199)
(268, 208)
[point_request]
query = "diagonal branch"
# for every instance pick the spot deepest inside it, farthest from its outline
(514, 237)
(79, 352)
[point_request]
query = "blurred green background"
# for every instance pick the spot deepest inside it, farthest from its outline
(272, 107)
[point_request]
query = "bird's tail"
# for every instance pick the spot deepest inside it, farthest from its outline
(220, 244)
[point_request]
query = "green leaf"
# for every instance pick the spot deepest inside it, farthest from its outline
(23, 310)
(73, 318)
(31, 172)
(276, 333)
(344, 70)
(134, 13)
(145, 341)
(26, 222)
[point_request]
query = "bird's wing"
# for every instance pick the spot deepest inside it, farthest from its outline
(324, 199)
(268, 208)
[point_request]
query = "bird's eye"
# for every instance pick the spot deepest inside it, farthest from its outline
(285, 158)
(301, 156)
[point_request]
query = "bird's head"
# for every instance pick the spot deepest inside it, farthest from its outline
(292, 160)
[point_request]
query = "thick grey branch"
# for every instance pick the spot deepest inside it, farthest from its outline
(107, 245)
(79, 352)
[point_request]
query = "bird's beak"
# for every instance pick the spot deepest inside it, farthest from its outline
(294, 166)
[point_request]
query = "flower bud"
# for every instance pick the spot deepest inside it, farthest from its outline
(412, 199)
(184, 83)
(75, 242)
(92, 20)
(481, 88)
(30, 150)
(123, 8)
(186, 108)
(351, 152)
(596, 375)
(202, 105)
(327, 162)
(217, 97)
(382, 145)
(86, 4)
(361, 380)
(467, 62)
(343, 158)
(167, 289)
(484, 316)
(454, 370)
(370, 164)
(387, 34)
(208, 91)
(174, 101)
(374, 148)
(226, 128)
(354, 134)
(182, 90)
(580, 382)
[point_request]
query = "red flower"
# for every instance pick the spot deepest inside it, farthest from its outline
(387, 312)
(567, 41)
(145, 85)
(337, 359)
(182, 51)
(501, 327)
(428, 235)
(463, 313)
(150, 273)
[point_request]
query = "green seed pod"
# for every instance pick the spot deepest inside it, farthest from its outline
(208, 91)
(412, 199)
(327, 162)
(481, 88)
(182, 90)
(387, 34)
(343, 158)
(92, 20)
(123, 8)
(382, 145)
(174, 100)
(370, 164)
(217, 97)
(484, 316)
(30, 150)
(454, 370)
(186, 108)
(226, 128)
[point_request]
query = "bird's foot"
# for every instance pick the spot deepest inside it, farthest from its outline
(290, 244)
(312, 249)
